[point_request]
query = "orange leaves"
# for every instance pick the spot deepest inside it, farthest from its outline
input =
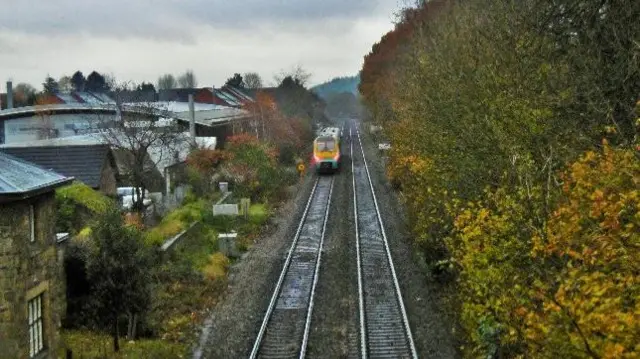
(241, 139)
(205, 160)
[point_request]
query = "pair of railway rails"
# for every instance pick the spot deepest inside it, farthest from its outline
(384, 327)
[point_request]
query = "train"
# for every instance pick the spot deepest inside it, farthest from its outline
(327, 156)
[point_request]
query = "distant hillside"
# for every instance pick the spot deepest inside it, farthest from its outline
(338, 85)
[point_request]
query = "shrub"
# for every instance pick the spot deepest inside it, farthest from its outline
(217, 266)
(561, 283)
(258, 213)
(77, 204)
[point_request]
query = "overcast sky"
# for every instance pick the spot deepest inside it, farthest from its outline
(139, 40)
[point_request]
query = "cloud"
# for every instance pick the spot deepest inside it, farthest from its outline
(173, 20)
(216, 38)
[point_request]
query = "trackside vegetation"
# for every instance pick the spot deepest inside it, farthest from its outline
(162, 296)
(515, 144)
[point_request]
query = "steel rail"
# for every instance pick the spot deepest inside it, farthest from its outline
(287, 267)
(398, 295)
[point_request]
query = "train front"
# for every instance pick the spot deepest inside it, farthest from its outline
(326, 154)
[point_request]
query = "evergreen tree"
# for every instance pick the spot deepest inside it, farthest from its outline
(78, 81)
(96, 82)
(50, 85)
(120, 272)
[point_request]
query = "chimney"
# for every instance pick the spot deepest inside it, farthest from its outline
(192, 122)
(9, 95)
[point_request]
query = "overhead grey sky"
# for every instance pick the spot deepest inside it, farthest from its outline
(138, 40)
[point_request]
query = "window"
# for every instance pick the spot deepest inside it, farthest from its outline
(36, 342)
(326, 145)
(32, 223)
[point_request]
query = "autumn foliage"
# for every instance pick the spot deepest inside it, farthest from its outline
(496, 113)
(269, 124)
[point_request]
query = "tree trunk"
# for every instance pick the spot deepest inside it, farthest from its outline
(135, 326)
(116, 334)
(130, 325)
(131, 329)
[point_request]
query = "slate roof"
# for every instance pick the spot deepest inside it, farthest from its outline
(82, 162)
(20, 179)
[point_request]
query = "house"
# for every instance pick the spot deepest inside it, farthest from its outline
(91, 164)
(32, 291)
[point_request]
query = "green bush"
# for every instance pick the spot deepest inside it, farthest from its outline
(77, 204)
(258, 214)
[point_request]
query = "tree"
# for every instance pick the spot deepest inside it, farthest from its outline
(139, 131)
(297, 75)
(110, 81)
(96, 82)
(252, 80)
(187, 80)
(167, 81)
(64, 84)
(78, 81)
(235, 80)
(24, 95)
(146, 86)
(46, 128)
(119, 270)
(50, 85)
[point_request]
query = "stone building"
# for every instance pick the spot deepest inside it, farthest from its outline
(32, 292)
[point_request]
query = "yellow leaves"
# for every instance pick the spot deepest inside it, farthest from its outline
(591, 292)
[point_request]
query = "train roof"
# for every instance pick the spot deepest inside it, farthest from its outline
(330, 131)
(325, 137)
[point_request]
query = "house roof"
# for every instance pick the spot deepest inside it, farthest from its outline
(75, 97)
(83, 162)
(20, 179)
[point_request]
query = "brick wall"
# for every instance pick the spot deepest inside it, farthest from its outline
(27, 270)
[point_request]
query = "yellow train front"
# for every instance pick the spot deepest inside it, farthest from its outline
(326, 150)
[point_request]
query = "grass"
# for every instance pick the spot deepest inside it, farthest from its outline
(177, 221)
(200, 247)
(86, 345)
(217, 266)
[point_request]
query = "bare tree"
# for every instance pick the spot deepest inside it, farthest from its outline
(298, 74)
(110, 81)
(167, 81)
(24, 95)
(146, 137)
(252, 80)
(187, 80)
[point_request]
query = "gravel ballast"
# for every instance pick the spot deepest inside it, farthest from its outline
(431, 326)
(233, 324)
(334, 325)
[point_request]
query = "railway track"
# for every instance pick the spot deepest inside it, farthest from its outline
(285, 327)
(384, 327)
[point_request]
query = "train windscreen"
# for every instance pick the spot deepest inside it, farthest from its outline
(323, 145)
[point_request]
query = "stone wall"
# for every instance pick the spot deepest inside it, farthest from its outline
(27, 270)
